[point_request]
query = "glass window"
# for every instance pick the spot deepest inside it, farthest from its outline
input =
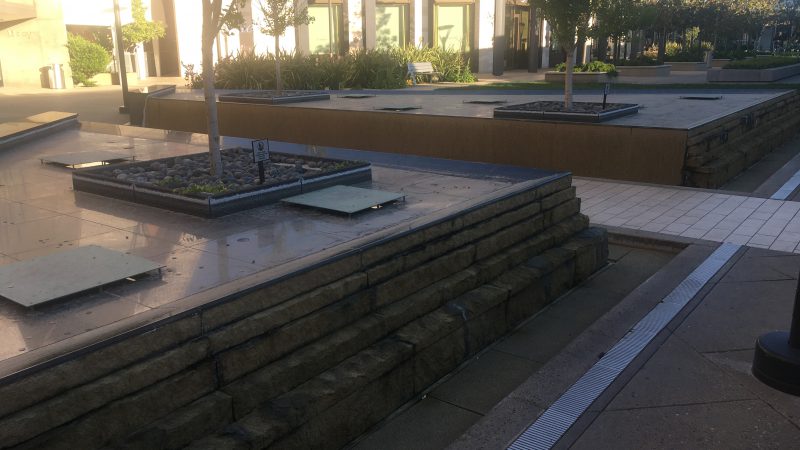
(391, 25)
(322, 37)
(453, 26)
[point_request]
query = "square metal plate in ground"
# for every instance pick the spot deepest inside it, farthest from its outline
(58, 275)
(96, 157)
(345, 199)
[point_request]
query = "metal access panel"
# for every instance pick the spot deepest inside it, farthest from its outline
(344, 199)
(51, 277)
(83, 158)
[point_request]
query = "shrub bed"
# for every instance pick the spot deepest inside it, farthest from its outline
(766, 62)
(364, 69)
(593, 66)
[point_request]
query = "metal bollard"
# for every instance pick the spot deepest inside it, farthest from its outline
(777, 357)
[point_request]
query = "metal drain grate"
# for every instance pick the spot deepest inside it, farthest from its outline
(357, 96)
(561, 415)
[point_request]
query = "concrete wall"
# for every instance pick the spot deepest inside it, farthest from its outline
(27, 46)
(619, 152)
(314, 359)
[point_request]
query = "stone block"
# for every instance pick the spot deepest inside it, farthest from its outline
(385, 270)
(561, 212)
(78, 401)
(430, 328)
(324, 391)
(260, 298)
(262, 350)
(516, 280)
(47, 383)
(557, 198)
(352, 416)
(386, 250)
(275, 317)
(201, 417)
(526, 302)
(124, 416)
(422, 276)
(484, 329)
(589, 254)
(439, 358)
(304, 364)
(508, 237)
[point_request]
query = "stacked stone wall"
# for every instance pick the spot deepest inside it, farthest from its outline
(316, 358)
(720, 150)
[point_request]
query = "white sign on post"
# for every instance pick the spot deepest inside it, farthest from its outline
(260, 150)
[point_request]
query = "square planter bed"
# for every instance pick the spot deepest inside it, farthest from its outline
(552, 110)
(183, 183)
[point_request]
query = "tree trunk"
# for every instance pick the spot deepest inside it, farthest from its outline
(662, 46)
(278, 81)
(568, 78)
(209, 33)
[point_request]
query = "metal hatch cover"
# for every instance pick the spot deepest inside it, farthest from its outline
(57, 275)
(344, 199)
(83, 158)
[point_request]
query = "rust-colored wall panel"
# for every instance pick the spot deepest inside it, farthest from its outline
(625, 153)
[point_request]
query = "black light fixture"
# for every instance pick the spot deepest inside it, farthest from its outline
(123, 71)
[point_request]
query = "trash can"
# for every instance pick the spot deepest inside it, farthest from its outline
(55, 76)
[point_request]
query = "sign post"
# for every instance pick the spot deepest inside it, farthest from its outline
(260, 154)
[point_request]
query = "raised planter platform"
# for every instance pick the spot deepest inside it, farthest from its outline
(36, 126)
(688, 66)
(578, 77)
(644, 71)
(104, 181)
(554, 110)
(315, 357)
(752, 75)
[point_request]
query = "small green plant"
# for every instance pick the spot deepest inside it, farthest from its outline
(207, 188)
(763, 62)
(638, 61)
(593, 66)
(86, 59)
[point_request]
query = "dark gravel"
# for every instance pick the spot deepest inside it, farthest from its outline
(558, 106)
(192, 172)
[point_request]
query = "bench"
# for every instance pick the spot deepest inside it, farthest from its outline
(421, 68)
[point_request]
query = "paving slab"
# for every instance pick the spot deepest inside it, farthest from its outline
(684, 377)
(450, 421)
(742, 424)
(485, 381)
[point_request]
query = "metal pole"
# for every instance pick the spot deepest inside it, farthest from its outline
(794, 331)
(123, 71)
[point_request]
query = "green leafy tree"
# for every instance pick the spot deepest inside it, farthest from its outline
(614, 20)
(570, 22)
(279, 15)
(86, 59)
(141, 29)
(215, 20)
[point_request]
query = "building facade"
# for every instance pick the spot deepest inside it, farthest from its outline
(496, 35)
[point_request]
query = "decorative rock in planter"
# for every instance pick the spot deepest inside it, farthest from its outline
(644, 71)
(184, 184)
(577, 77)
